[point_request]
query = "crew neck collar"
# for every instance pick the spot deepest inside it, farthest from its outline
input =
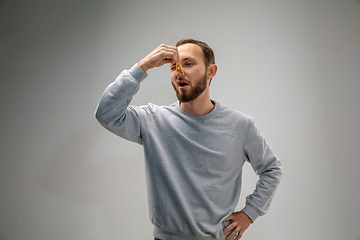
(199, 117)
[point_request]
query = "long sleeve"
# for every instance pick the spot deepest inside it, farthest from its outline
(113, 111)
(267, 166)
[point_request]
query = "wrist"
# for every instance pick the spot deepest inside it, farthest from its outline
(142, 65)
(251, 212)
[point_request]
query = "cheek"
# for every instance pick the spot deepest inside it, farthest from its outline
(195, 72)
(172, 75)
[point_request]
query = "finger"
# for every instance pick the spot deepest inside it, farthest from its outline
(166, 51)
(168, 60)
(170, 53)
(229, 228)
(170, 56)
(177, 55)
(232, 234)
(164, 56)
(169, 48)
(229, 218)
(239, 235)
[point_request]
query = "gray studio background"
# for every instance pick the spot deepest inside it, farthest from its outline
(292, 65)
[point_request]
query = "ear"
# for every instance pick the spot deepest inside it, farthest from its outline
(211, 71)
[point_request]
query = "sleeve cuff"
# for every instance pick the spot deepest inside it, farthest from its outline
(136, 72)
(251, 212)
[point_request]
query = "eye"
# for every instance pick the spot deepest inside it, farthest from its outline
(189, 64)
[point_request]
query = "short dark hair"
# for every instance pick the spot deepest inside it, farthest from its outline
(209, 57)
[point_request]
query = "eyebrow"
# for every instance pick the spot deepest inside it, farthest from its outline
(188, 58)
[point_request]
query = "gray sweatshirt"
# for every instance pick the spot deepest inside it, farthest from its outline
(193, 163)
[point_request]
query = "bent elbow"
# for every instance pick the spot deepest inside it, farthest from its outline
(99, 115)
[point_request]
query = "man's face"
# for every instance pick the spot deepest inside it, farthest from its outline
(193, 83)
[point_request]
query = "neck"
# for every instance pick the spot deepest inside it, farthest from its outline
(200, 106)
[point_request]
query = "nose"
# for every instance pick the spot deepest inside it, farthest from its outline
(179, 73)
(179, 70)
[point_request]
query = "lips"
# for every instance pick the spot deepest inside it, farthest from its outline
(182, 84)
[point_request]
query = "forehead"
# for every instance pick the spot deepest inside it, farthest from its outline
(190, 50)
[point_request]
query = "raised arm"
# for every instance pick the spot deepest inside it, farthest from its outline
(114, 112)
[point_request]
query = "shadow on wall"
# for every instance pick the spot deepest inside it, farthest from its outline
(73, 175)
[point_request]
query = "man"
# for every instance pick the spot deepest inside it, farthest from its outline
(194, 149)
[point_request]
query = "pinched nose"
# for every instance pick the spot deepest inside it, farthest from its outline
(179, 69)
(180, 73)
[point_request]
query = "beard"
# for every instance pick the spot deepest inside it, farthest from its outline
(196, 90)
